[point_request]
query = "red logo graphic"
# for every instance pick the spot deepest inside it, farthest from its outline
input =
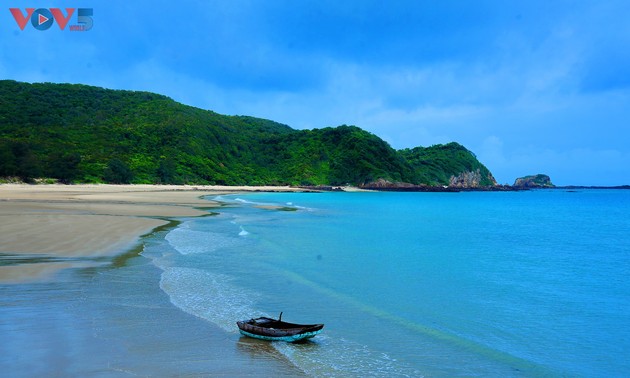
(43, 18)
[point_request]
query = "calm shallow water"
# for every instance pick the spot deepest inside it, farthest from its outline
(116, 322)
(411, 284)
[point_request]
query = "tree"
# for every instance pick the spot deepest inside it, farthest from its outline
(64, 166)
(117, 172)
(167, 172)
(8, 166)
(28, 166)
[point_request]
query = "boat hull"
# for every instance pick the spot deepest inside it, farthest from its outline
(290, 339)
(277, 330)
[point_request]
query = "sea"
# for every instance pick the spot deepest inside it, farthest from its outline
(528, 283)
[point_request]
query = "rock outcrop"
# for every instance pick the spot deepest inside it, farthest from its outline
(386, 184)
(465, 181)
(533, 181)
(469, 179)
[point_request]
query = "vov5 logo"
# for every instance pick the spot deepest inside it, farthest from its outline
(43, 18)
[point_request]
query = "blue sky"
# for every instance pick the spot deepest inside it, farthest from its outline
(528, 86)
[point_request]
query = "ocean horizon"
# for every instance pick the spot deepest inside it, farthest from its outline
(418, 284)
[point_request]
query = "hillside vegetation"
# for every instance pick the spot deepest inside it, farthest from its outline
(79, 133)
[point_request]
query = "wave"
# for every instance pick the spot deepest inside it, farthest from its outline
(242, 201)
(348, 357)
(187, 241)
(230, 199)
(208, 295)
(334, 357)
(214, 297)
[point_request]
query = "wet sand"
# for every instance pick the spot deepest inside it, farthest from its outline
(52, 223)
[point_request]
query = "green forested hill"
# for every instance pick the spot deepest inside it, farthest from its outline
(436, 165)
(88, 134)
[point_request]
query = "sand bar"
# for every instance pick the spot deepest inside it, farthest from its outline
(59, 225)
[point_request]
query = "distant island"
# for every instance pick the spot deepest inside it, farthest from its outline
(533, 181)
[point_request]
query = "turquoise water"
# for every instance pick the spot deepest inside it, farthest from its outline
(418, 284)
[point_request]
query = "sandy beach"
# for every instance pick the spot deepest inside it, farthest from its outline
(47, 228)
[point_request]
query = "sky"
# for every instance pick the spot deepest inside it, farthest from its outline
(528, 86)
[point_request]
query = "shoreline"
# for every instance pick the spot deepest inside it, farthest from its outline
(82, 311)
(48, 228)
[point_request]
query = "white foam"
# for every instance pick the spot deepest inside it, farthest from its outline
(207, 295)
(187, 241)
(244, 201)
(334, 357)
(216, 298)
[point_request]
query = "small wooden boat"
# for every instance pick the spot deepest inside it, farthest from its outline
(277, 330)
